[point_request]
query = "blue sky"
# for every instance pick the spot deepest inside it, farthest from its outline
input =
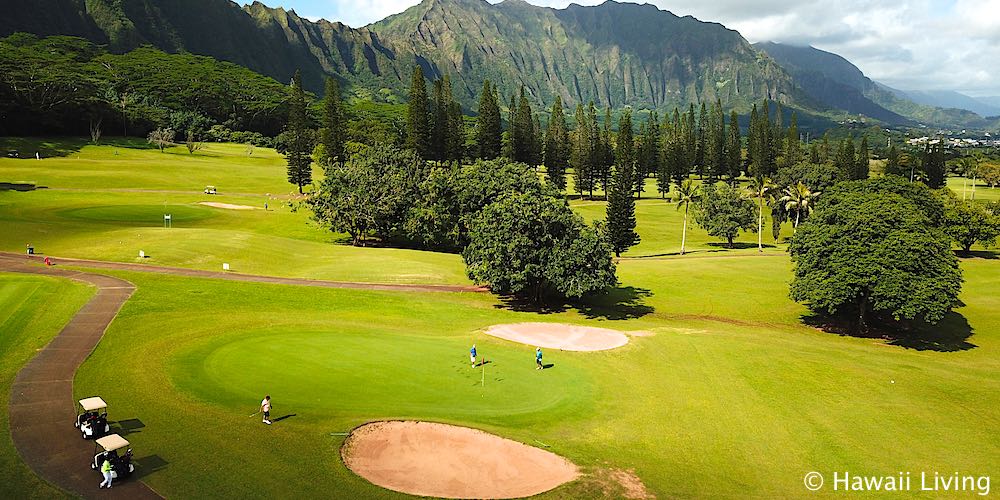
(908, 44)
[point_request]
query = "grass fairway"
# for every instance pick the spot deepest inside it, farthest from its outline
(32, 310)
(730, 396)
(727, 394)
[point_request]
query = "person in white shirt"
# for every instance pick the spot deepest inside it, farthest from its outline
(265, 408)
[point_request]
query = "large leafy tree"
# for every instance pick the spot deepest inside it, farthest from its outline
(621, 204)
(370, 194)
(867, 251)
(298, 152)
(532, 245)
(723, 211)
(969, 223)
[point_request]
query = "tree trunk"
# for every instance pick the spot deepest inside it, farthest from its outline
(796, 227)
(863, 315)
(729, 242)
(684, 231)
(300, 189)
(760, 225)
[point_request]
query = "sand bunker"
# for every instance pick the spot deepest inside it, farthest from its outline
(438, 460)
(227, 206)
(559, 336)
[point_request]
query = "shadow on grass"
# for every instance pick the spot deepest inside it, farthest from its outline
(66, 146)
(951, 334)
(978, 254)
(284, 417)
(738, 245)
(126, 427)
(147, 465)
(619, 303)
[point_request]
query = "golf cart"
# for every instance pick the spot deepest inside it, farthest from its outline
(91, 420)
(13, 154)
(108, 447)
(210, 190)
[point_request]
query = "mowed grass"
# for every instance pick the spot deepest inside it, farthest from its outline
(32, 311)
(79, 215)
(729, 394)
(726, 394)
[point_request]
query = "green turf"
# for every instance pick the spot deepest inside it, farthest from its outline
(32, 310)
(730, 385)
(730, 394)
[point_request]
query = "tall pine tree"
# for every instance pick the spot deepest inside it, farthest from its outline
(418, 133)
(556, 151)
(580, 154)
(299, 152)
(489, 128)
(333, 135)
(621, 204)
(734, 149)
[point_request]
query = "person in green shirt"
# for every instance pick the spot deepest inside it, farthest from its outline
(106, 470)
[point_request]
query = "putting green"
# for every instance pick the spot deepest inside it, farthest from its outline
(375, 371)
(139, 215)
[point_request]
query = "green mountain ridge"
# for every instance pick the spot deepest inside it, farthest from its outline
(614, 54)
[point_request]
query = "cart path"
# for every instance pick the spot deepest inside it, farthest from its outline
(42, 408)
(256, 278)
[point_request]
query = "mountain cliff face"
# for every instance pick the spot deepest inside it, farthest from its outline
(833, 80)
(614, 54)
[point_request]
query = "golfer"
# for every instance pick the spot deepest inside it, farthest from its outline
(538, 358)
(106, 470)
(472, 355)
(265, 408)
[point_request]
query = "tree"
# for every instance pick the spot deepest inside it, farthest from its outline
(370, 194)
(799, 199)
(760, 187)
(934, 166)
(845, 160)
(192, 143)
(333, 133)
(687, 193)
(161, 138)
(893, 165)
(869, 250)
(488, 124)
(989, 173)
(723, 211)
(793, 147)
(621, 204)
(418, 134)
(861, 164)
(522, 129)
(969, 223)
(556, 147)
(531, 245)
(715, 144)
(734, 151)
(581, 157)
(298, 153)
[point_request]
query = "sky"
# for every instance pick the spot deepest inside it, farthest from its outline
(906, 44)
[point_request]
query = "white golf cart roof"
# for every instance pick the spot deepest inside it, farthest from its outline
(94, 403)
(112, 442)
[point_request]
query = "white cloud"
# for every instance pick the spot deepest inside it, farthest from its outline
(908, 44)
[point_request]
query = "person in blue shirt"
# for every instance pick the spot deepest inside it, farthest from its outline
(538, 358)
(472, 355)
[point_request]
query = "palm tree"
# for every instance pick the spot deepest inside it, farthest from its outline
(687, 192)
(760, 187)
(800, 199)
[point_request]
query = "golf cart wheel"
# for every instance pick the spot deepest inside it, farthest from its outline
(131, 468)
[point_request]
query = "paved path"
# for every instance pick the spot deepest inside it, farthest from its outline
(42, 407)
(197, 273)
